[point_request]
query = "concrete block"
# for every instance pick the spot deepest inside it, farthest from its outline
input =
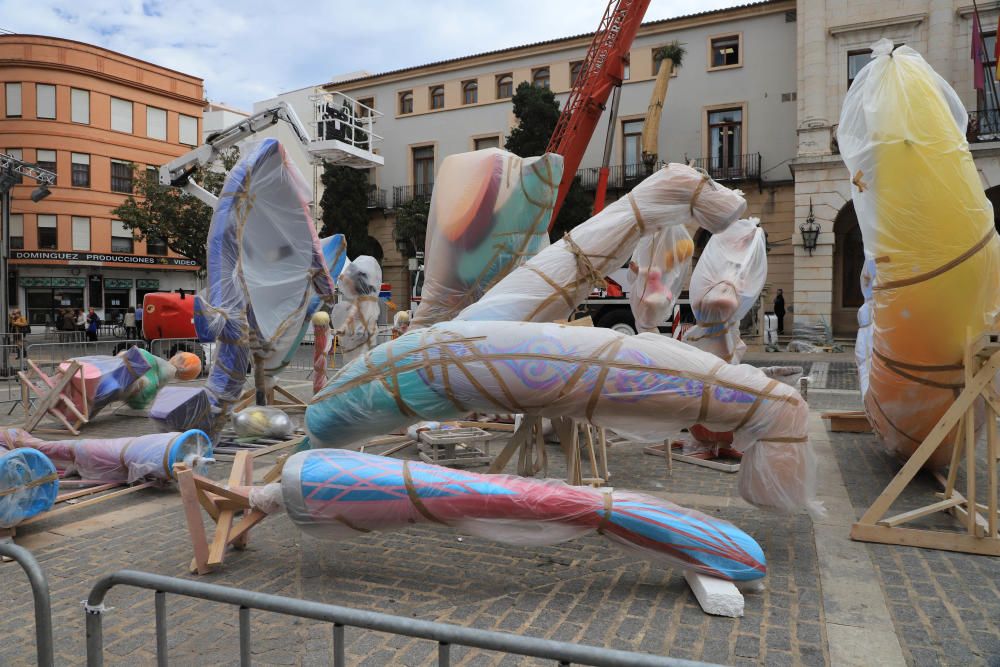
(716, 596)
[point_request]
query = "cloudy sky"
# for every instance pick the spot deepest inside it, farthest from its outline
(249, 50)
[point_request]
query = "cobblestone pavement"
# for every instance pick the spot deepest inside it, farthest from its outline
(587, 590)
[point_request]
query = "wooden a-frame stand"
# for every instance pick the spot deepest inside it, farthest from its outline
(529, 444)
(979, 521)
(52, 399)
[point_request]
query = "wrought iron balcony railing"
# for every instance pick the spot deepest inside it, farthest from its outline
(620, 176)
(376, 198)
(984, 125)
(731, 169)
(402, 194)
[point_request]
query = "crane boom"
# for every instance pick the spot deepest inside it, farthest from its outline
(603, 69)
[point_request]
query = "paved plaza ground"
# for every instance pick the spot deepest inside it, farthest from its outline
(826, 600)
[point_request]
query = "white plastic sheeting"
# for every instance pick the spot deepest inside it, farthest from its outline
(657, 273)
(550, 285)
(489, 213)
(929, 227)
(725, 284)
(355, 317)
(863, 342)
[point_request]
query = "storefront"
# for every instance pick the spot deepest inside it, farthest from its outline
(117, 299)
(46, 300)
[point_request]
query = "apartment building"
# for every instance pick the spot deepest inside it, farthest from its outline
(88, 114)
(731, 109)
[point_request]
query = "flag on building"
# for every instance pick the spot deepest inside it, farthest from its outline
(979, 80)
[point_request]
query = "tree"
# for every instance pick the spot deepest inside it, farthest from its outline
(411, 224)
(181, 220)
(537, 112)
(345, 209)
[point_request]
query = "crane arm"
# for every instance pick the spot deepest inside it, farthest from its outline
(11, 165)
(603, 69)
(178, 172)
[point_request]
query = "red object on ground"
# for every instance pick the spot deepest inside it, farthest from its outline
(168, 315)
(703, 434)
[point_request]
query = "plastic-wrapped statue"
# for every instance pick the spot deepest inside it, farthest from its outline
(489, 213)
(355, 317)
(333, 494)
(725, 284)
(118, 459)
(29, 484)
(549, 286)
(863, 343)
(658, 270)
(929, 227)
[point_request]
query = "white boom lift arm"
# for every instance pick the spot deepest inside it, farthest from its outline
(354, 151)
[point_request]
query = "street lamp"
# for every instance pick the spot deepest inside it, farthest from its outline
(40, 193)
(810, 231)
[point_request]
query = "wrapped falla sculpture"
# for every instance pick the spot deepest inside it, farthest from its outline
(928, 226)
(489, 213)
(29, 484)
(500, 356)
(355, 317)
(657, 272)
(334, 494)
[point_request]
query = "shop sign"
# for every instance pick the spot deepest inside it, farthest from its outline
(52, 282)
(106, 258)
(147, 283)
(117, 283)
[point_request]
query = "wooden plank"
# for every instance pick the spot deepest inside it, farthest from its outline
(925, 539)
(63, 497)
(991, 460)
(86, 503)
(238, 534)
(488, 426)
(241, 474)
(294, 442)
(196, 529)
(905, 517)
(848, 422)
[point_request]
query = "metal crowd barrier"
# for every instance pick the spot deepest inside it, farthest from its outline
(444, 634)
(40, 591)
(11, 362)
(48, 356)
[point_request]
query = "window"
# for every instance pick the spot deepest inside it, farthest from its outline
(121, 176)
(79, 106)
(423, 170)
(16, 231)
(45, 100)
(540, 77)
(121, 238)
(505, 86)
(487, 142)
(470, 92)
(627, 69)
(48, 232)
(121, 115)
(188, 130)
(725, 51)
(988, 115)
(406, 102)
(632, 147)
(156, 123)
(13, 94)
(80, 170)
(46, 159)
(365, 107)
(725, 142)
(18, 154)
(437, 97)
(156, 245)
(574, 72)
(856, 60)
(81, 233)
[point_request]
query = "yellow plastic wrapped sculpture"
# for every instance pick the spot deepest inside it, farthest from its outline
(929, 226)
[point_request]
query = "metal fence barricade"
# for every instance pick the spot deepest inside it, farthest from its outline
(48, 356)
(444, 634)
(40, 591)
(11, 362)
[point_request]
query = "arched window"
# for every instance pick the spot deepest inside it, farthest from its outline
(437, 97)
(505, 86)
(540, 77)
(406, 102)
(470, 92)
(574, 72)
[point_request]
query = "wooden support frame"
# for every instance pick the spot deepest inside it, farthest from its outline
(227, 505)
(529, 444)
(979, 522)
(52, 399)
(288, 401)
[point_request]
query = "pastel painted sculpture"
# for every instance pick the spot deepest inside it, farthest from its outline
(29, 484)
(929, 227)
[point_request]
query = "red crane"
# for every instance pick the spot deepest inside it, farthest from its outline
(602, 71)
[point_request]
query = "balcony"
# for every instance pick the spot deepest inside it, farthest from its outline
(376, 198)
(620, 176)
(401, 194)
(731, 170)
(984, 125)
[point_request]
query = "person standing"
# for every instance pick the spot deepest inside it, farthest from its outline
(93, 325)
(130, 324)
(779, 311)
(81, 320)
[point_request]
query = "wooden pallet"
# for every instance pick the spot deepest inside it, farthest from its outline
(455, 447)
(852, 421)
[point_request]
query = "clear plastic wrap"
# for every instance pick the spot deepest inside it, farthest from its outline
(725, 284)
(187, 366)
(549, 286)
(119, 459)
(160, 372)
(183, 408)
(29, 484)
(657, 273)
(355, 317)
(928, 224)
(489, 213)
(107, 379)
(321, 347)
(643, 387)
(863, 342)
(260, 421)
(334, 494)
